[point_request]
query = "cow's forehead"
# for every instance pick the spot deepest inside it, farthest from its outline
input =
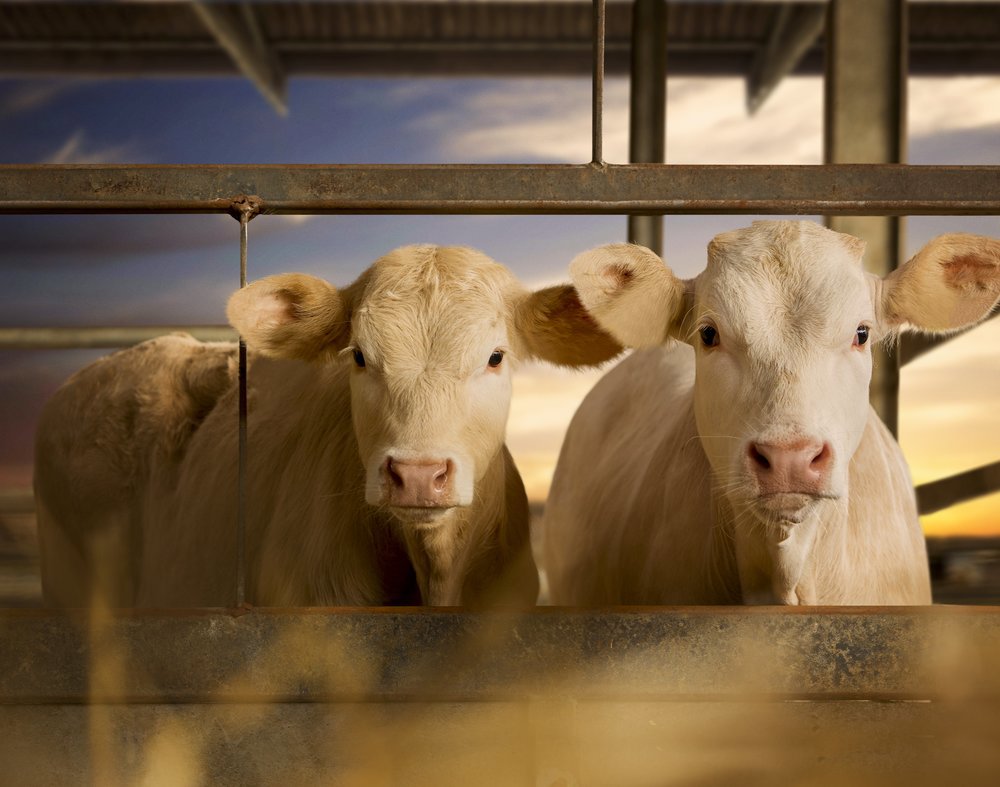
(778, 270)
(425, 302)
(433, 276)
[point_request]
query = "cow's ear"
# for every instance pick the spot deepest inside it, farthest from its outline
(951, 283)
(630, 292)
(290, 316)
(552, 325)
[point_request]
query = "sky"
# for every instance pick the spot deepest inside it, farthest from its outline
(121, 270)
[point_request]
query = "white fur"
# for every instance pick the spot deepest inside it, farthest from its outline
(653, 499)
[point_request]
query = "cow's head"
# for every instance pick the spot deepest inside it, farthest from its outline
(782, 322)
(430, 335)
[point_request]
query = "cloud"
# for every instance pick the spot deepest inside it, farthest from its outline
(550, 120)
(944, 104)
(75, 150)
(33, 95)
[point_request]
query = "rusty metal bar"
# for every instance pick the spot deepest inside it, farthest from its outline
(102, 337)
(597, 84)
(954, 489)
(841, 189)
(241, 506)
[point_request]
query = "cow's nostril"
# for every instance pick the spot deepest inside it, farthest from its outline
(822, 458)
(441, 475)
(758, 458)
(394, 477)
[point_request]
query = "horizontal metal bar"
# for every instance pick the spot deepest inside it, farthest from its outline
(844, 189)
(958, 488)
(914, 345)
(104, 337)
(17, 501)
(396, 655)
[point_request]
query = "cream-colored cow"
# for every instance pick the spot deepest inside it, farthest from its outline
(377, 466)
(744, 463)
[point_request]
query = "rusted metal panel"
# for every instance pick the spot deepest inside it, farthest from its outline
(843, 189)
(346, 655)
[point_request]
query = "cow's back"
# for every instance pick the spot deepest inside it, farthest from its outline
(99, 438)
(630, 517)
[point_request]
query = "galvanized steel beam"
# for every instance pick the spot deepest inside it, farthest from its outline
(844, 189)
(795, 31)
(865, 123)
(237, 31)
(648, 106)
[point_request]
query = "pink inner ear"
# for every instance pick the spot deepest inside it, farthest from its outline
(972, 272)
(274, 309)
(620, 275)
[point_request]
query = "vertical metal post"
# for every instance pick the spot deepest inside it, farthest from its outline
(648, 106)
(865, 123)
(597, 87)
(241, 510)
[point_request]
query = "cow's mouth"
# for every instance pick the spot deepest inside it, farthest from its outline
(420, 515)
(790, 507)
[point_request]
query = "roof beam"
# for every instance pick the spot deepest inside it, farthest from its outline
(238, 32)
(794, 32)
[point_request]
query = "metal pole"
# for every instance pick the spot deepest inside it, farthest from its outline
(597, 88)
(241, 512)
(243, 208)
(865, 123)
(648, 106)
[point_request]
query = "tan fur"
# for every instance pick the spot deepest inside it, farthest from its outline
(136, 473)
(653, 500)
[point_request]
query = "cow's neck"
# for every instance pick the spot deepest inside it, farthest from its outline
(441, 554)
(434, 552)
(784, 564)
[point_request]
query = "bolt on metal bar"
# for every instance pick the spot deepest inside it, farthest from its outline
(597, 87)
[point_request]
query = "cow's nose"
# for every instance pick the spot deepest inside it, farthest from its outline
(801, 466)
(419, 483)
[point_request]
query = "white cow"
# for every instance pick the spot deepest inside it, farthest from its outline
(744, 463)
(377, 466)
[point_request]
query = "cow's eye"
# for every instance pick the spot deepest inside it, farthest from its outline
(709, 336)
(359, 359)
(495, 359)
(861, 335)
